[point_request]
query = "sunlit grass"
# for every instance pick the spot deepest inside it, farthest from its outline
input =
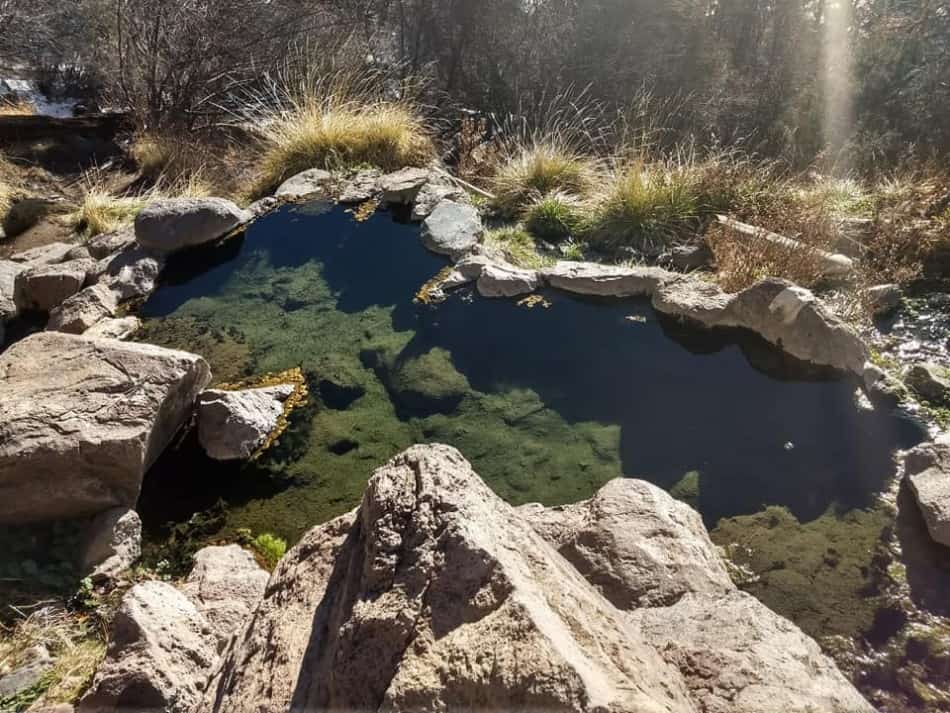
(554, 217)
(645, 206)
(537, 170)
(517, 246)
(16, 107)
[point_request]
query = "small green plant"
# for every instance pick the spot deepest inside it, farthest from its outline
(270, 548)
(553, 217)
(573, 250)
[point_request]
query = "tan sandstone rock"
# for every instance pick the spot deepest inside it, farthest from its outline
(436, 596)
(637, 544)
(82, 419)
(160, 656)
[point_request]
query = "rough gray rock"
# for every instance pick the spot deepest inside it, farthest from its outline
(452, 229)
(84, 309)
(361, 187)
(587, 278)
(315, 181)
(132, 273)
(48, 254)
(635, 543)
(431, 195)
(506, 281)
(435, 595)
(737, 656)
(34, 664)
(82, 419)
(786, 315)
(234, 424)
(225, 585)
(881, 387)
(691, 257)
(930, 382)
(402, 187)
(263, 206)
(116, 328)
(927, 469)
(883, 299)
(44, 287)
(171, 224)
(160, 657)
(106, 244)
(8, 272)
(113, 543)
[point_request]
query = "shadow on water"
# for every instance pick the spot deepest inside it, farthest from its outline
(685, 400)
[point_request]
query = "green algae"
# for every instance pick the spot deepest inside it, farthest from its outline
(824, 575)
(224, 347)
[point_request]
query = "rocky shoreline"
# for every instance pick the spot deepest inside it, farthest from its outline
(434, 594)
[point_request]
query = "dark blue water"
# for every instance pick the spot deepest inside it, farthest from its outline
(760, 428)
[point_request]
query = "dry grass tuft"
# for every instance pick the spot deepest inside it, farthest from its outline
(74, 645)
(540, 168)
(335, 121)
(16, 107)
(101, 211)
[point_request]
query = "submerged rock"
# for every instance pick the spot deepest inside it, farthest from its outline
(315, 181)
(234, 424)
(160, 656)
(82, 419)
(171, 224)
(113, 543)
(635, 543)
(44, 287)
(587, 278)
(83, 310)
(421, 383)
(452, 229)
(436, 596)
(927, 469)
(225, 585)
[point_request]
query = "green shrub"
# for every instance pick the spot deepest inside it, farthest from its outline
(518, 247)
(553, 217)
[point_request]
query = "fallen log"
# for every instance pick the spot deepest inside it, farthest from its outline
(834, 264)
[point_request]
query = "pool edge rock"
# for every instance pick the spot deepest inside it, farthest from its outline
(82, 419)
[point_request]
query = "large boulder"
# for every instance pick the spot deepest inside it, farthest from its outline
(431, 194)
(361, 186)
(42, 288)
(452, 229)
(160, 657)
(131, 273)
(587, 278)
(234, 424)
(637, 544)
(786, 315)
(171, 224)
(225, 585)
(83, 310)
(82, 419)
(313, 182)
(738, 656)
(927, 469)
(112, 544)
(436, 596)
